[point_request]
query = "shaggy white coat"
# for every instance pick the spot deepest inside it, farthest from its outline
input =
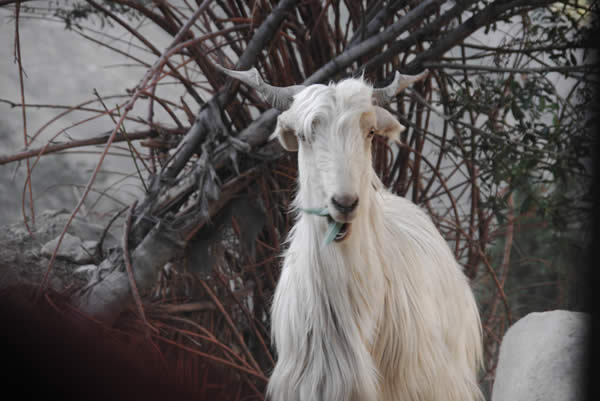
(385, 315)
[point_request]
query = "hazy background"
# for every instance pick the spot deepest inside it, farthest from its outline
(61, 68)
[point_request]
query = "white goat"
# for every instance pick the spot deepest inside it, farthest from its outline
(384, 312)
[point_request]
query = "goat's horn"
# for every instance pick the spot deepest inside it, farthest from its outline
(385, 95)
(279, 97)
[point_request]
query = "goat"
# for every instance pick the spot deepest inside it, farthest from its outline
(384, 312)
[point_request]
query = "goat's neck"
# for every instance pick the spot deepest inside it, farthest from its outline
(348, 275)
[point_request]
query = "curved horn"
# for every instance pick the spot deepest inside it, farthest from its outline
(383, 96)
(279, 97)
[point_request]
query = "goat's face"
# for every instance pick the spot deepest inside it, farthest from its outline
(332, 128)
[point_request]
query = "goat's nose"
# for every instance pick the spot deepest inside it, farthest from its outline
(345, 203)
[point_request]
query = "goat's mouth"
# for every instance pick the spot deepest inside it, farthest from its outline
(344, 230)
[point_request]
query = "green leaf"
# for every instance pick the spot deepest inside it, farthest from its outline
(332, 231)
(500, 217)
(323, 211)
(527, 204)
(334, 227)
(516, 111)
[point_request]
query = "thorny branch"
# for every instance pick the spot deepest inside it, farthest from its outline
(24, 115)
(98, 140)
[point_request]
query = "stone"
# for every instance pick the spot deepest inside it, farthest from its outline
(23, 263)
(542, 358)
(72, 249)
(85, 269)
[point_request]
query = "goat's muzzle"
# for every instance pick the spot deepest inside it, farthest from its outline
(343, 211)
(345, 204)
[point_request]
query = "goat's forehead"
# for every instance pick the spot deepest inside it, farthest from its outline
(333, 101)
(353, 93)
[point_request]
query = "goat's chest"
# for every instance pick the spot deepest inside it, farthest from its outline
(366, 292)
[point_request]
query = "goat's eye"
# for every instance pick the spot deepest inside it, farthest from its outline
(371, 133)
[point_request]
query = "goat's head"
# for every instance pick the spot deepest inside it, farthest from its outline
(332, 128)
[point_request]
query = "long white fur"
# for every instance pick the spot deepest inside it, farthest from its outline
(385, 315)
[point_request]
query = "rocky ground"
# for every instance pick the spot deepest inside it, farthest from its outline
(542, 355)
(24, 258)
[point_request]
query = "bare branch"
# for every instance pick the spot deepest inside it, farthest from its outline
(491, 13)
(98, 140)
(489, 68)
(342, 61)
(129, 269)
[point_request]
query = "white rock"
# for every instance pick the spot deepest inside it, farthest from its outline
(85, 269)
(72, 248)
(542, 358)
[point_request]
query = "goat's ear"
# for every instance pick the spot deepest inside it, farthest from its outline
(285, 134)
(387, 125)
